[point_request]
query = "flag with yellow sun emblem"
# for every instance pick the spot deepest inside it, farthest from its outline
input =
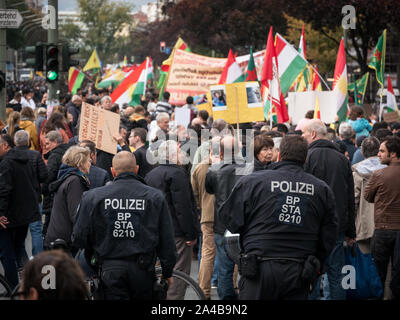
(340, 83)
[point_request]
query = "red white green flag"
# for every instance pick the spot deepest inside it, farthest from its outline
(274, 101)
(251, 74)
(75, 79)
(232, 72)
(340, 83)
(133, 86)
(390, 96)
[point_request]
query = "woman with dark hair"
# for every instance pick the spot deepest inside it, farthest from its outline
(27, 123)
(68, 282)
(263, 151)
(55, 122)
(357, 120)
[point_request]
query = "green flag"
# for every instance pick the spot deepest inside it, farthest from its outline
(359, 87)
(378, 59)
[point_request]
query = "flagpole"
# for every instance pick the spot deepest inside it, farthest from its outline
(145, 76)
(270, 106)
(319, 76)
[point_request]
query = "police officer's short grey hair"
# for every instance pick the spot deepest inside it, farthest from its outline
(370, 147)
(104, 99)
(346, 130)
(318, 127)
(21, 138)
(161, 116)
(54, 136)
(168, 151)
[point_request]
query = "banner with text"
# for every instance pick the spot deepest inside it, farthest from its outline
(99, 125)
(191, 75)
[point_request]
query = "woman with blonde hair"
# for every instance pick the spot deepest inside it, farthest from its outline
(68, 189)
(27, 123)
(12, 126)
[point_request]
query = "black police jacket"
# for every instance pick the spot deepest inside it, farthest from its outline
(325, 162)
(282, 212)
(123, 219)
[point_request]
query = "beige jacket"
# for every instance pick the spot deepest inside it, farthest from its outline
(205, 201)
(362, 171)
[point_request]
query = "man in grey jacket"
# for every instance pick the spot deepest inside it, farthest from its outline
(362, 171)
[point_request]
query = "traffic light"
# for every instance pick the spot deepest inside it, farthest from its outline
(67, 62)
(2, 80)
(37, 61)
(52, 64)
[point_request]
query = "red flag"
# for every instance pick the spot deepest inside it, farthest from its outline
(270, 86)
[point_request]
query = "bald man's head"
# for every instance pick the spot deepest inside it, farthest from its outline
(122, 162)
(228, 147)
(314, 130)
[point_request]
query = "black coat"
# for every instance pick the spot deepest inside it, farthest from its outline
(141, 160)
(98, 177)
(54, 162)
(148, 226)
(220, 180)
(325, 162)
(68, 192)
(174, 182)
(282, 212)
(40, 170)
(19, 200)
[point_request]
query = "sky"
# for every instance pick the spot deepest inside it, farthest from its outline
(71, 5)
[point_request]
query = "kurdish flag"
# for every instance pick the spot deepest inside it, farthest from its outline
(75, 79)
(113, 78)
(274, 102)
(316, 82)
(133, 86)
(232, 72)
(391, 98)
(290, 63)
(251, 73)
(340, 83)
(378, 59)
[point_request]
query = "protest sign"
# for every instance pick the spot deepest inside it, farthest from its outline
(237, 102)
(99, 125)
(391, 116)
(182, 116)
(191, 75)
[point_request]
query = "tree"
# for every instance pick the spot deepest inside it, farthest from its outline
(212, 27)
(320, 50)
(104, 22)
(372, 17)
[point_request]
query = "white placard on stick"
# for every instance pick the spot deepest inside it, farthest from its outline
(182, 116)
(301, 102)
(99, 125)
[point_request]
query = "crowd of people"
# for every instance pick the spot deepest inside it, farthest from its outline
(295, 194)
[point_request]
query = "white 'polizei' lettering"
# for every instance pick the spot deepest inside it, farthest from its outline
(124, 204)
(293, 187)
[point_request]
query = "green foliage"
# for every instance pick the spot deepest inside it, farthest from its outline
(105, 22)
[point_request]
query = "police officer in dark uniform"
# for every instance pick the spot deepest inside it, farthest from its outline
(126, 225)
(287, 224)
